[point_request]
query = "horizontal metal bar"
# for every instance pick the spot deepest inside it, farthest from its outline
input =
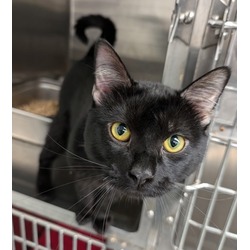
(231, 88)
(221, 23)
(223, 141)
(57, 228)
(223, 122)
(28, 242)
(18, 238)
(214, 230)
(198, 186)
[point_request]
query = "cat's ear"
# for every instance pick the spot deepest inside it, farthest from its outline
(204, 93)
(109, 71)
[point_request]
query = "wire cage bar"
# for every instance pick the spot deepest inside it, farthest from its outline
(31, 232)
(185, 223)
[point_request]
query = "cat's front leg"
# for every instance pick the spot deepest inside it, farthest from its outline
(84, 210)
(92, 210)
(85, 204)
(102, 217)
(94, 203)
(102, 220)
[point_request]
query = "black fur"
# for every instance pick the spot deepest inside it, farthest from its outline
(97, 92)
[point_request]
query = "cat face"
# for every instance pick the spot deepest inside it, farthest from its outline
(149, 136)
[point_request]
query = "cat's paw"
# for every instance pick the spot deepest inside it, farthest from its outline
(101, 225)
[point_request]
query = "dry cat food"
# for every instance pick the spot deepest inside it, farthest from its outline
(41, 107)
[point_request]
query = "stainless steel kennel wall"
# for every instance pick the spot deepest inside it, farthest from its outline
(40, 38)
(202, 36)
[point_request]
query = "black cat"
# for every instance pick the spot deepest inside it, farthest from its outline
(123, 136)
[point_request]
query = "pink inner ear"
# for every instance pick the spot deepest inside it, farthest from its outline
(109, 71)
(204, 93)
(96, 95)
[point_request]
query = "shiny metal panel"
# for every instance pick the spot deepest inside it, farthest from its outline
(198, 46)
(40, 38)
(142, 31)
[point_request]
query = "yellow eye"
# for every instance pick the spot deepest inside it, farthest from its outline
(120, 131)
(174, 143)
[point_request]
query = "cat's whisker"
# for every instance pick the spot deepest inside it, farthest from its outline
(95, 203)
(98, 187)
(99, 205)
(59, 154)
(171, 198)
(82, 167)
(196, 207)
(90, 209)
(108, 208)
(162, 204)
(75, 168)
(78, 157)
(68, 183)
(122, 195)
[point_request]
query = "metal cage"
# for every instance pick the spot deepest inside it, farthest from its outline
(202, 36)
(208, 233)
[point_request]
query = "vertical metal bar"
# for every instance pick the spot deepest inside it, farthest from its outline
(177, 216)
(155, 229)
(213, 200)
(231, 49)
(214, 196)
(228, 222)
(89, 242)
(47, 237)
(72, 19)
(192, 201)
(61, 239)
(75, 242)
(13, 239)
(189, 214)
(220, 41)
(23, 233)
(35, 236)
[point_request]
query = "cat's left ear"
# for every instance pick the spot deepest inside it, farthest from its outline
(204, 93)
(109, 71)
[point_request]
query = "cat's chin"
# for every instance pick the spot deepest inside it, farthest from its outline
(140, 194)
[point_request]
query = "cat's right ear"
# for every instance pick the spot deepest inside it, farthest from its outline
(109, 71)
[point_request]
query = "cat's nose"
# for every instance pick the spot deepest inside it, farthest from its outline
(140, 177)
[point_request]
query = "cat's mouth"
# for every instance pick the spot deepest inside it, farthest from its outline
(140, 192)
(131, 187)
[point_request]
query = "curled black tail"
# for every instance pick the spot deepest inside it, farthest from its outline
(98, 21)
